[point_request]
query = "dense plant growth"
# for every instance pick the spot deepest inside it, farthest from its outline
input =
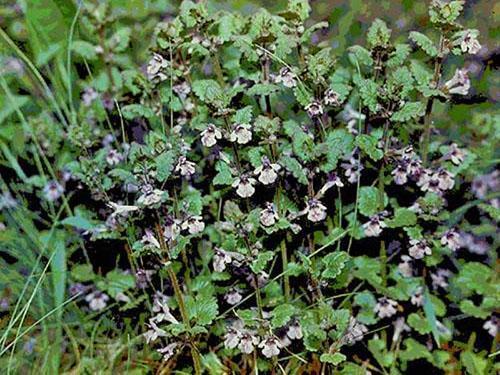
(246, 201)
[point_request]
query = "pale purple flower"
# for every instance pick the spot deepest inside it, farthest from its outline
(419, 249)
(185, 167)
(172, 228)
(459, 84)
(331, 97)
(244, 185)
(374, 226)
(182, 89)
(287, 77)
(316, 211)
(469, 43)
(221, 258)
(400, 174)
(233, 296)
(451, 239)
(210, 135)
(314, 109)
(97, 300)
(270, 346)
(417, 298)
(241, 134)
(248, 341)
(440, 278)
(168, 351)
(445, 178)
(153, 333)
(194, 224)
(268, 215)
(399, 327)
(385, 307)
(267, 171)
(156, 68)
(294, 331)
(352, 170)
(492, 326)
(113, 157)
(354, 332)
(406, 266)
(149, 239)
(88, 96)
(455, 154)
(53, 190)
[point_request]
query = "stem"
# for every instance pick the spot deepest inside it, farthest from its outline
(284, 260)
(428, 109)
(180, 300)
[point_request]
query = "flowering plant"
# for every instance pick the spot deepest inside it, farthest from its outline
(273, 206)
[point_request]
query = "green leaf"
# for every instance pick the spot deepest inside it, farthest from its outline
(403, 217)
(424, 42)
(334, 359)
(338, 143)
(378, 34)
(82, 272)
(281, 315)
(411, 110)
(78, 222)
(431, 316)
(224, 175)
(334, 264)
(260, 263)
(360, 55)
(369, 143)
(164, 165)
(84, 49)
(203, 309)
(117, 282)
(369, 90)
(262, 89)
(133, 111)
(399, 55)
(369, 200)
(293, 166)
(474, 364)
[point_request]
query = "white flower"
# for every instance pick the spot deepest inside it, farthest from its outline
(451, 239)
(469, 43)
(164, 314)
(440, 278)
(354, 332)
(248, 341)
(286, 77)
(492, 326)
(333, 180)
(459, 84)
(405, 267)
(352, 118)
(233, 296)
(400, 174)
(150, 198)
(429, 183)
(417, 298)
(185, 167)
(168, 351)
(268, 215)
(210, 135)
(331, 98)
(194, 224)
(171, 229)
(419, 249)
(270, 346)
(373, 228)
(113, 157)
(53, 191)
(316, 211)
(149, 239)
(221, 258)
(156, 67)
(455, 154)
(314, 109)
(97, 300)
(182, 89)
(445, 179)
(385, 307)
(154, 333)
(294, 331)
(120, 209)
(233, 335)
(352, 170)
(267, 172)
(399, 327)
(88, 96)
(241, 133)
(244, 185)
